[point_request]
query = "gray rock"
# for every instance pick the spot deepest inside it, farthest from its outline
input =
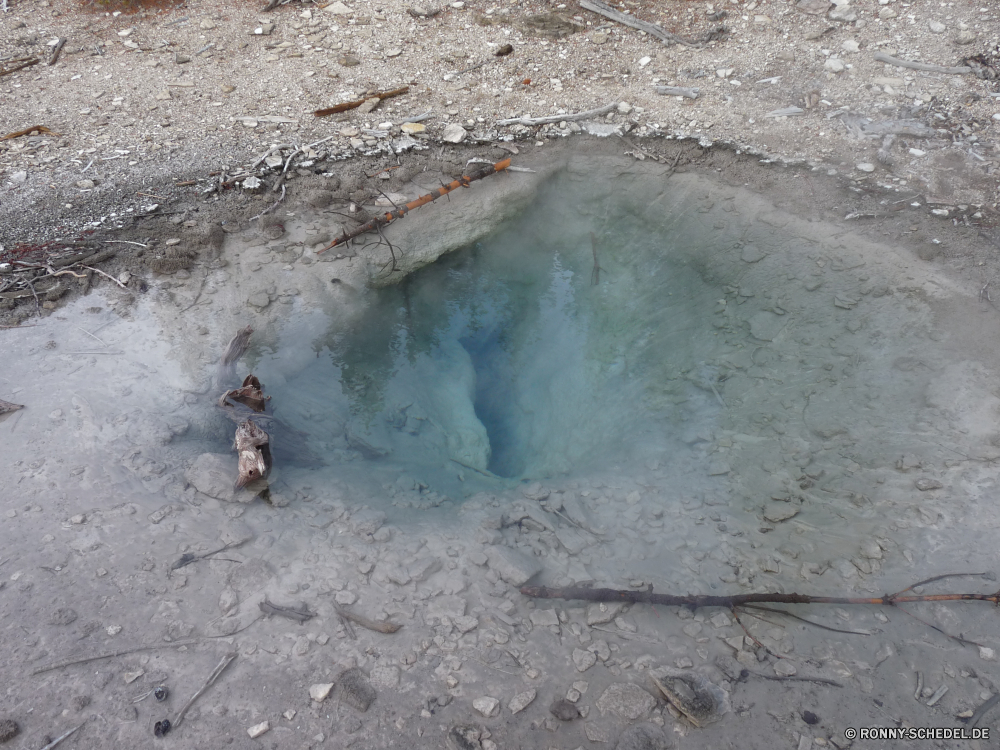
(544, 617)
(367, 521)
(355, 690)
(625, 700)
(512, 566)
(259, 300)
(521, 701)
(844, 13)
(386, 676)
(598, 614)
(319, 198)
(583, 660)
(643, 737)
(925, 483)
(463, 738)
(564, 710)
(936, 27)
(766, 326)
(454, 133)
(487, 706)
(752, 254)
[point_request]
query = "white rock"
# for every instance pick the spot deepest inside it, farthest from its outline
(466, 623)
(850, 45)
(521, 701)
(78, 519)
(936, 27)
(487, 706)
(834, 64)
(583, 660)
(338, 9)
(512, 566)
(644, 61)
(986, 653)
(784, 668)
(258, 729)
(624, 108)
(345, 597)
(320, 691)
(454, 133)
(865, 166)
(626, 700)
(544, 617)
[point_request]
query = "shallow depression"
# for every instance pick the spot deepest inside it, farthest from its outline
(670, 383)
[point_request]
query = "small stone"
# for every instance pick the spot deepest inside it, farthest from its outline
(290, 714)
(521, 701)
(986, 653)
(583, 660)
(131, 677)
(936, 27)
(413, 128)
(487, 706)
(367, 521)
(466, 623)
(228, 600)
(965, 36)
(784, 668)
(320, 691)
(228, 88)
(63, 616)
(844, 13)
(925, 483)
(207, 24)
(394, 52)
(163, 95)
(624, 108)
(78, 519)
(338, 9)
(644, 61)
(626, 700)
(18, 178)
(544, 617)
(258, 729)
(598, 614)
(777, 512)
(355, 690)
(345, 597)
(253, 184)
(512, 566)
(834, 65)
(850, 45)
(348, 61)
(85, 184)
(454, 133)
(865, 166)
(564, 710)
(113, 630)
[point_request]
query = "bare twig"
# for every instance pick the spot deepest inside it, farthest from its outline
(377, 626)
(678, 91)
(271, 208)
(358, 102)
(56, 50)
(596, 6)
(26, 62)
(61, 737)
(899, 63)
(226, 660)
(110, 655)
(107, 276)
(559, 118)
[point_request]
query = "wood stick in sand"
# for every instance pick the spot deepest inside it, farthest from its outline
(378, 627)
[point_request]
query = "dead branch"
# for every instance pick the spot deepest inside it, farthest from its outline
(22, 63)
(379, 627)
(559, 118)
(596, 6)
(355, 104)
(6, 406)
(54, 57)
(899, 63)
(678, 91)
(382, 220)
(739, 600)
(111, 655)
(61, 737)
(208, 683)
(32, 129)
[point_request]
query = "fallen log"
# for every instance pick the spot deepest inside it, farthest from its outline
(382, 220)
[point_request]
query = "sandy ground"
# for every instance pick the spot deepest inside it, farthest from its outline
(99, 501)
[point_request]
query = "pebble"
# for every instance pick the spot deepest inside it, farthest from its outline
(207, 24)
(413, 128)
(625, 700)
(544, 617)
(834, 64)
(521, 701)
(583, 660)
(564, 710)
(598, 614)
(454, 133)
(487, 706)
(85, 184)
(512, 566)
(865, 166)
(784, 668)
(320, 691)
(258, 729)
(925, 483)
(349, 61)
(936, 27)
(78, 519)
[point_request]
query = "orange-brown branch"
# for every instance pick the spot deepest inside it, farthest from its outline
(382, 219)
(355, 104)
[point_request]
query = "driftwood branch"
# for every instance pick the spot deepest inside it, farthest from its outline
(559, 118)
(678, 91)
(226, 660)
(596, 6)
(18, 64)
(739, 600)
(899, 63)
(382, 220)
(355, 104)
(56, 50)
